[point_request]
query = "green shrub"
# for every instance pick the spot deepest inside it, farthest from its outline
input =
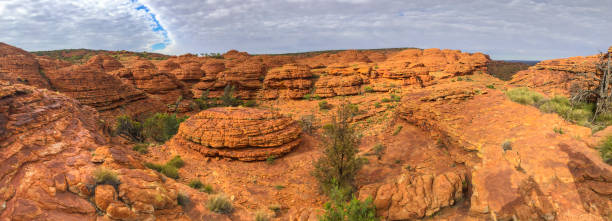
(105, 176)
(275, 207)
(129, 129)
(339, 163)
(270, 160)
(141, 148)
(219, 204)
(228, 99)
(182, 199)
(385, 100)
(459, 79)
(170, 171)
(395, 97)
(523, 95)
(262, 216)
(154, 166)
(605, 150)
(176, 161)
(377, 105)
(558, 130)
(368, 89)
(279, 187)
(196, 184)
(207, 188)
(337, 209)
(162, 126)
(308, 97)
(490, 86)
(250, 103)
(308, 122)
(397, 130)
(204, 102)
(323, 105)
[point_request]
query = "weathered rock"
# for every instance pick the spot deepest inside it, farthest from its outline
(559, 76)
(290, 81)
(105, 62)
(105, 195)
(245, 77)
(19, 66)
(541, 174)
(330, 85)
(244, 134)
(412, 197)
(145, 76)
(106, 93)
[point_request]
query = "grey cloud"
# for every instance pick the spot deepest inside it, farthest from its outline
(505, 29)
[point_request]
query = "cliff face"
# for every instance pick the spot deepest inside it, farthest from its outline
(19, 66)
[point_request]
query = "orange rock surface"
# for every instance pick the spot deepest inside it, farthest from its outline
(538, 174)
(48, 166)
(144, 75)
(19, 66)
(290, 81)
(245, 134)
(559, 76)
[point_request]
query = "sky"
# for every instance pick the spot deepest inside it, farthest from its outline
(504, 29)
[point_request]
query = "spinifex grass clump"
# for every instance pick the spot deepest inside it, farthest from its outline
(160, 127)
(170, 169)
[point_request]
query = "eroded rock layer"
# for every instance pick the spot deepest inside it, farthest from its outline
(19, 66)
(144, 75)
(47, 170)
(290, 81)
(526, 170)
(245, 134)
(559, 76)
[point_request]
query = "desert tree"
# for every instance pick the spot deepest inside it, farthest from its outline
(601, 94)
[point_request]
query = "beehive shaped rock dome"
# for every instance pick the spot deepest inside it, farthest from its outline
(245, 134)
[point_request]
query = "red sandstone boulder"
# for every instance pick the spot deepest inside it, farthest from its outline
(244, 134)
(290, 81)
(145, 76)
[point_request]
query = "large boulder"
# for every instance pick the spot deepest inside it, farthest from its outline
(145, 76)
(244, 134)
(289, 81)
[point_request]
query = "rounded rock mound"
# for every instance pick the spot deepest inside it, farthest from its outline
(245, 134)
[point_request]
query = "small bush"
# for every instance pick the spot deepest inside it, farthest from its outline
(368, 89)
(379, 150)
(219, 204)
(395, 97)
(270, 160)
(182, 199)
(459, 79)
(141, 148)
(337, 209)
(207, 188)
(105, 176)
(507, 145)
(176, 161)
(308, 97)
(307, 122)
(490, 86)
(170, 171)
(558, 130)
(605, 150)
(196, 184)
(279, 187)
(262, 216)
(397, 130)
(276, 208)
(228, 99)
(385, 100)
(129, 129)
(323, 105)
(250, 103)
(523, 95)
(154, 166)
(377, 105)
(162, 126)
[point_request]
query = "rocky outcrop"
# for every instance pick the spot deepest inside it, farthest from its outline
(415, 196)
(105, 62)
(144, 75)
(244, 134)
(48, 165)
(341, 85)
(19, 66)
(246, 78)
(184, 68)
(416, 66)
(106, 93)
(289, 81)
(524, 169)
(559, 76)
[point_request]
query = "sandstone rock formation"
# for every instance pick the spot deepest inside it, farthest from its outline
(47, 168)
(559, 76)
(525, 170)
(246, 78)
(290, 81)
(19, 66)
(144, 75)
(185, 68)
(245, 134)
(412, 197)
(105, 62)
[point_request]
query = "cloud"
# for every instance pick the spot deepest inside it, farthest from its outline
(506, 29)
(105, 24)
